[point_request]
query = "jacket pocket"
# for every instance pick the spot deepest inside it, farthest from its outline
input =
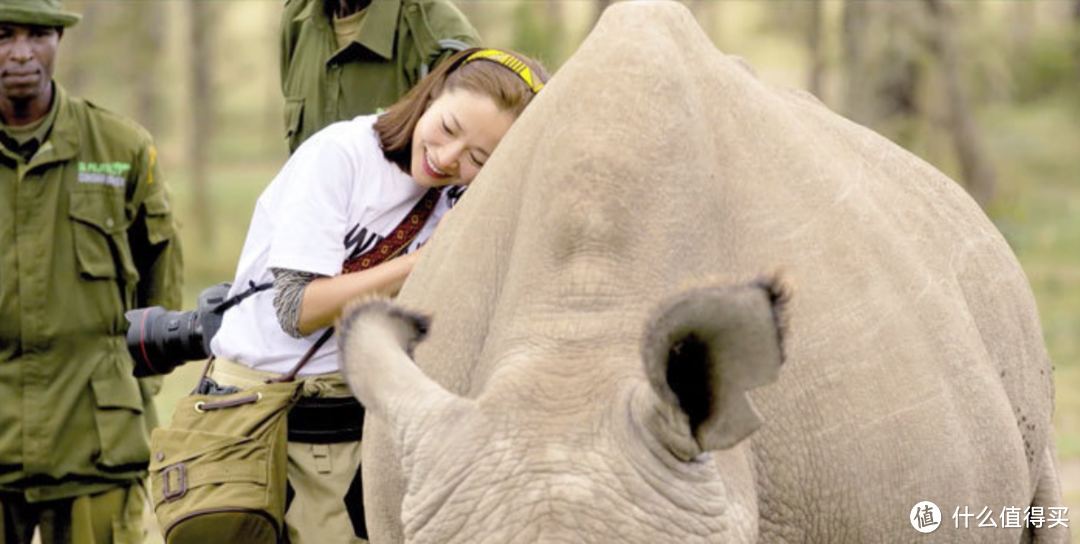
(96, 216)
(92, 252)
(118, 416)
(100, 238)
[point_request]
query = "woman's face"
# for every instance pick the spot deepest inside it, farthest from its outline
(455, 136)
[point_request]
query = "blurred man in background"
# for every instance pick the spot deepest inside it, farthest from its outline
(343, 58)
(87, 233)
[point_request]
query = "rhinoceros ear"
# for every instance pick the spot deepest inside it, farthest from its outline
(376, 339)
(705, 348)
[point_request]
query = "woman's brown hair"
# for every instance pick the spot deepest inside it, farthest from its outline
(485, 77)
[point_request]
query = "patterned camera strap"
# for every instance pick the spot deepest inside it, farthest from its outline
(384, 250)
(399, 238)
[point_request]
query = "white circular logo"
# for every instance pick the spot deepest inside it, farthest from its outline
(925, 517)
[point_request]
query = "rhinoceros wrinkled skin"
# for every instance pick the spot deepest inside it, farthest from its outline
(613, 298)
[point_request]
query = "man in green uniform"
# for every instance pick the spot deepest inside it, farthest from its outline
(343, 58)
(86, 233)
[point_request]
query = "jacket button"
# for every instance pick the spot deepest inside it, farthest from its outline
(109, 222)
(159, 457)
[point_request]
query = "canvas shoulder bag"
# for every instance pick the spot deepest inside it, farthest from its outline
(218, 472)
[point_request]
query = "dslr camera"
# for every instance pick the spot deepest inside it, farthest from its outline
(160, 340)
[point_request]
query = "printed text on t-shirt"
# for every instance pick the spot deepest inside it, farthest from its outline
(359, 240)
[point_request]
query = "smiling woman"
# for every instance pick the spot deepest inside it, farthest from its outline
(461, 112)
(345, 218)
(455, 137)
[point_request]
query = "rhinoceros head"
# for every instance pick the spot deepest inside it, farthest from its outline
(579, 449)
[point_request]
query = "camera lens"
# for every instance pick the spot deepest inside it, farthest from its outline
(160, 340)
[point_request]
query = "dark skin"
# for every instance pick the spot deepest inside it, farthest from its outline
(27, 62)
(344, 8)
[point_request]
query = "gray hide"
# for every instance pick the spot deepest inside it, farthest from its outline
(612, 298)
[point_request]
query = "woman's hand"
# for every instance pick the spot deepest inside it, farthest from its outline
(324, 298)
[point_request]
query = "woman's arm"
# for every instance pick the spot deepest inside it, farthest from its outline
(289, 286)
(325, 297)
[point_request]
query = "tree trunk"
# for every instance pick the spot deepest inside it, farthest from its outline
(1076, 36)
(856, 95)
(817, 57)
(884, 51)
(200, 16)
(150, 43)
(1022, 25)
(978, 174)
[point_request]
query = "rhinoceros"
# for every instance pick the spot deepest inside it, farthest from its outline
(683, 305)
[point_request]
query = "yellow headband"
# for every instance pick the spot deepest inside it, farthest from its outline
(509, 61)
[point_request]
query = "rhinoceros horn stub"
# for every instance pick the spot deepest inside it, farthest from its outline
(705, 348)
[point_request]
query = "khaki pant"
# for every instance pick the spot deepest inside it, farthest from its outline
(322, 476)
(114, 516)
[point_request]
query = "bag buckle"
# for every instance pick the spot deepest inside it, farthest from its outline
(170, 494)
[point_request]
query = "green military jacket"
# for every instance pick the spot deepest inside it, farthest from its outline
(87, 233)
(398, 42)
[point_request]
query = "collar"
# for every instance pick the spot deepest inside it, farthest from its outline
(63, 141)
(379, 27)
(377, 32)
(307, 12)
(26, 142)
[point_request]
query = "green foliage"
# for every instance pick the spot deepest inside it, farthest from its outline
(1049, 66)
(538, 32)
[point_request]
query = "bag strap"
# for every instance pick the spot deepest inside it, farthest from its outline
(386, 249)
(303, 360)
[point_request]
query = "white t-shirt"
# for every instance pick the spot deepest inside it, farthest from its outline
(335, 198)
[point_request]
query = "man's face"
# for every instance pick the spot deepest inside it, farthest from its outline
(27, 59)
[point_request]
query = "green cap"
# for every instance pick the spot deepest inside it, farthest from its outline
(36, 12)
